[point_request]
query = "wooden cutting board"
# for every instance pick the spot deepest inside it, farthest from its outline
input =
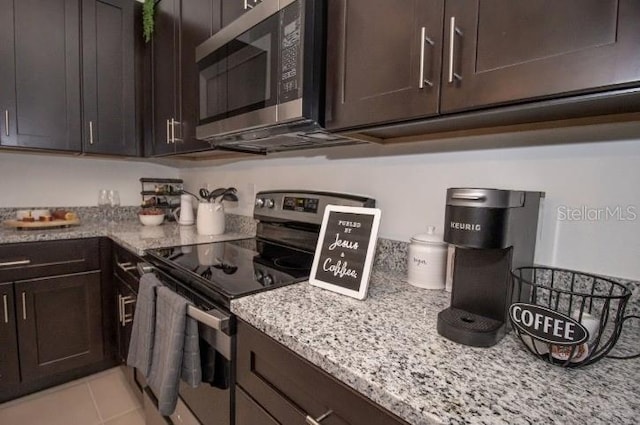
(18, 224)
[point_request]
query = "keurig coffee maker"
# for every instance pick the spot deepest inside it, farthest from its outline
(494, 232)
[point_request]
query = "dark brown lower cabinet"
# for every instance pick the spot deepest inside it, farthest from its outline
(55, 307)
(59, 324)
(276, 386)
(9, 366)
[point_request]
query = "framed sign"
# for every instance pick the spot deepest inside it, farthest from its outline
(345, 250)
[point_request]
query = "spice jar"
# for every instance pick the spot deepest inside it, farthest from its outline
(427, 260)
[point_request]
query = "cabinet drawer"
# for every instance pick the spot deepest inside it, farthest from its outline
(290, 388)
(125, 266)
(40, 259)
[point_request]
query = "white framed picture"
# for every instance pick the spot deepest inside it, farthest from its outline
(345, 250)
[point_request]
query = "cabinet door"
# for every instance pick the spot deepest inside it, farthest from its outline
(59, 324)
(379, 66)
(164, 64)
(504, 51)
(9, 366)
(233, 9)
(108, 75)
(199, 20)
(248, 412)
(40, 74)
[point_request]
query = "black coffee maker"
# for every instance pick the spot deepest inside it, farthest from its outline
(494, 232)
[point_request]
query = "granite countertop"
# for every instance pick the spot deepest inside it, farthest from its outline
(128, 233)
(387, 348)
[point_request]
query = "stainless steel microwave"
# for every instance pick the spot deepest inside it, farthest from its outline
(262, 79)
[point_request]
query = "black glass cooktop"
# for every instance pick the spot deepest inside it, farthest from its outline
(236, 268)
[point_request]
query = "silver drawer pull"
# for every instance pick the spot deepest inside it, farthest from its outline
(319, 419)
(6, 308)
(15, 263)
(126, 267)
(6, 122)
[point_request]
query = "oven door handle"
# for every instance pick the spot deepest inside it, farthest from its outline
(214, 319)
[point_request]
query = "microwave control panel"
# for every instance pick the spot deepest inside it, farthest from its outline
(291, 51)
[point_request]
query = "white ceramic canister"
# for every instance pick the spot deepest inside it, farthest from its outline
(210, 219)
(427, 260)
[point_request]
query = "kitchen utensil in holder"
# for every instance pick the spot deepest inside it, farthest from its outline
(573, 302)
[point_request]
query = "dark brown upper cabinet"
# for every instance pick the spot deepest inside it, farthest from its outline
(500, 52)
(67, 78)
(108, 75)
(180, 26)
(384, 60)
(476, 55)
(233, 9)
(40, 74)
(9, 363)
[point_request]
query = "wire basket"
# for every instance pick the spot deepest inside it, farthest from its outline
(567, 318)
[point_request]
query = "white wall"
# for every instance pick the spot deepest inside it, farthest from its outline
(410, 190)
(28, 180)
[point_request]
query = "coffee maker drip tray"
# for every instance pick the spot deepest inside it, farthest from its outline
(470, 329)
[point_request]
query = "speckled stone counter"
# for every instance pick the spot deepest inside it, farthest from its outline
(128, 233)
(387, 348)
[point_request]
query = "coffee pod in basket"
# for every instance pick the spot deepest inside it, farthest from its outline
(563, 352)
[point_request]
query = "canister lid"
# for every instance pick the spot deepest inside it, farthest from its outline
(431, 237)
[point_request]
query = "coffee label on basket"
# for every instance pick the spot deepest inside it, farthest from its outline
(547, 325)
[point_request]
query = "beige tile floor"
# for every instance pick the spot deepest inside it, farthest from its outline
(101, 399)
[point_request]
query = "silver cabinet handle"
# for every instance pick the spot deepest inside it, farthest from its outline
(168, 132)
(6, 308)
(319, 419)
(91, 132)
(120, 319)
(6, 122)
(24, 306)
(453, 31)
(15, 263)
(173, 130)
(423, 40)
(127, 318)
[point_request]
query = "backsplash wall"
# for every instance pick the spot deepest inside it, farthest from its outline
(28, 180)
(579, 180)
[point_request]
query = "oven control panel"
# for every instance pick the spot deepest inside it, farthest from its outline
(302, 206)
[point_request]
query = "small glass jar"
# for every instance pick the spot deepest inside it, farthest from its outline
(427, 262)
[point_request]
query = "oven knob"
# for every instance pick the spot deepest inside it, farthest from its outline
(259, 276)
(268, 280)
(269, 203)
(259, 202)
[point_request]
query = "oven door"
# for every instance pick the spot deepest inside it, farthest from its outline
(211, 401)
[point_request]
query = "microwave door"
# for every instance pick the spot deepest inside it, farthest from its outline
(238, 81)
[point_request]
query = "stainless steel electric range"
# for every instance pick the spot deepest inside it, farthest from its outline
(213, 274)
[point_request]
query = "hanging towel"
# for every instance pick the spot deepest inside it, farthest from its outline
(144, 320)
(176, 350)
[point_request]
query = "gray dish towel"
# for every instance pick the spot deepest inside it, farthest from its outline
(144, 322)
(176, 350)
